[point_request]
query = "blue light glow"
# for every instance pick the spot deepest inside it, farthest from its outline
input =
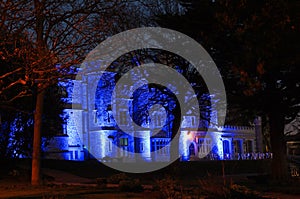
(97, 131)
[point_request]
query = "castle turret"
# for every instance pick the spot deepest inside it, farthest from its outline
(258, 134)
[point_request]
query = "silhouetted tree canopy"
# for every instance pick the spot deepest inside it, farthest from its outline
(255, 46)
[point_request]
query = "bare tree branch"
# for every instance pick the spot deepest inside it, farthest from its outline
(10, 73)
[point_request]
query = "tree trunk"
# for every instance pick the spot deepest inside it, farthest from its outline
(279, 162)
(36, 154)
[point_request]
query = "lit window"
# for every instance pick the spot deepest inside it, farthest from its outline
(226, 146)
(123, 141)
(160, 146)
(141, 147)
(109, 145)
(193, 121)
(96, 117)
(204, 146)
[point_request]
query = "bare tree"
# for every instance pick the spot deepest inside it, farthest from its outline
(50, 37)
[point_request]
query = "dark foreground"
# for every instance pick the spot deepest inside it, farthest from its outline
(90, 179)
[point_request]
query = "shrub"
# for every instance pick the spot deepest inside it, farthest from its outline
(116, 178)
(168, 188)
(238, 191)
(216, 187)
(130, 186)
(213, 187)
(101, 182)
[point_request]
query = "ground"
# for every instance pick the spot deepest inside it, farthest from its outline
(64, 179)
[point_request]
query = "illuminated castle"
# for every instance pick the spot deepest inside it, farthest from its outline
(92, 132)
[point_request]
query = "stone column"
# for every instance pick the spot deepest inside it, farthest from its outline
(142, 146)
(184, 146)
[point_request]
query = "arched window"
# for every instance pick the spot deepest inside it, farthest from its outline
(204, 146)
(237, 146)
(248, 146)
(226, 146)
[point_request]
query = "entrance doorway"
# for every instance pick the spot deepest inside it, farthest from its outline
(193, 150)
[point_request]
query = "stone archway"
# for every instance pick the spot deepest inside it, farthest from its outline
(193, 149)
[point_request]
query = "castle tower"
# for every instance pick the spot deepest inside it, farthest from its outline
(258, 134)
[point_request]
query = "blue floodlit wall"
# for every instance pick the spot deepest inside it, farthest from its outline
(91, 130)
(138, 142)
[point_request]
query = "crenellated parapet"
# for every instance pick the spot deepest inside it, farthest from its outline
(229, 128)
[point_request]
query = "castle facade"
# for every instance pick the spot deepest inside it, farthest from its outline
(91, 130)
